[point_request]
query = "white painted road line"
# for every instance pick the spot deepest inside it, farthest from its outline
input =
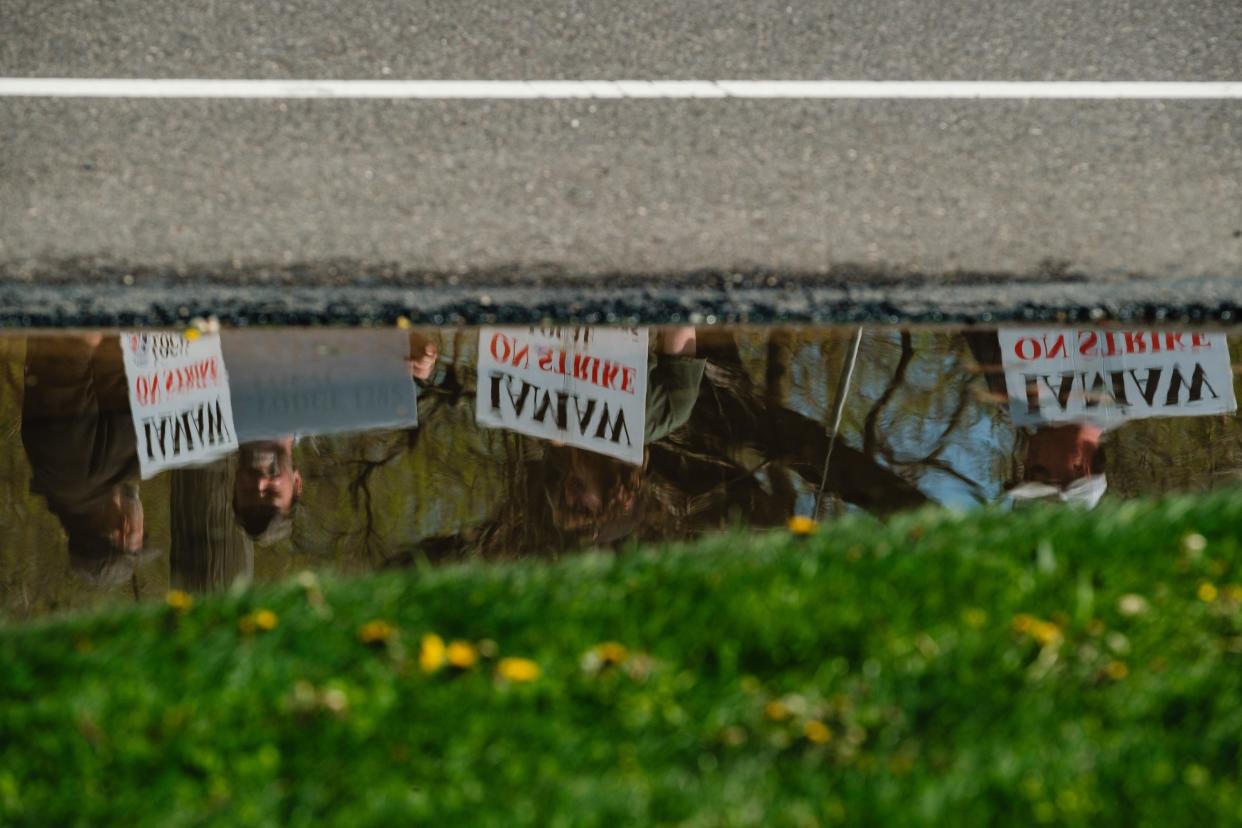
(577, 89)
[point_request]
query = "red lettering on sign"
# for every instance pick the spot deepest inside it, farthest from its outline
(1090, 341)
(521, 356)
(500, 341)
(1032, 349)
(1057, 348)
(609, 379)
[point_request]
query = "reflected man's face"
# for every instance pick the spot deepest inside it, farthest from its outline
(266, 478)
(595, 491)
(582, 493)
(1059, 455)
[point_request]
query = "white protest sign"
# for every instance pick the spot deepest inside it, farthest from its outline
(179, 400)
(585, 387)
(1107, 377)
(319, 382)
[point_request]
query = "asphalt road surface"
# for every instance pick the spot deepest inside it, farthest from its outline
(1057, 205)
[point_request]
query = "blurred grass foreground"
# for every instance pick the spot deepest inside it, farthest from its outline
(1048, 666)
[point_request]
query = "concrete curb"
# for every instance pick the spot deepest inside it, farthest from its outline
(78, 294)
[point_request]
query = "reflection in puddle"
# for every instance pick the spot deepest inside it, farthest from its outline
(141, 461)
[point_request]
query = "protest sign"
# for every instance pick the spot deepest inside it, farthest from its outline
(319, 382)
(1107, 377)
(179, 399)
(584, 387)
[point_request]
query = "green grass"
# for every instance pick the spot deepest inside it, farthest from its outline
(901, 639)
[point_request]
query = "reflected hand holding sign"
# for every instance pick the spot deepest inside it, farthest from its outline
(422, 358)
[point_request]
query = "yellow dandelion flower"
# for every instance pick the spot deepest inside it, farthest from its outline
(180, 601)
(1207, 592)
(817, 732)
(776, 710)
(517, 669)
(802, 525)
(431, 652)
(610, 652)
(192, 334)
(1022, 622)
(462, 655)
(265, 619)
(1116, 670)
(975, 617)
(259, 620)
(404, 323)
(1046, 633)
(375, 632)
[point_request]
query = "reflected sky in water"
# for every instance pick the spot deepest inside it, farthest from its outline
(138, 461)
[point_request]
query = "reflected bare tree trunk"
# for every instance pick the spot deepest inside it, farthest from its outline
(875, 445)
(871, 442)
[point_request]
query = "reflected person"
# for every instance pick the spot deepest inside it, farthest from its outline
(209, 548)
(1062, 460)
(563, 494)
(79, 439)
(289, 387)
(599, 496)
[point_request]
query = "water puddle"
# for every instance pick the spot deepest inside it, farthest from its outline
(139, 461)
